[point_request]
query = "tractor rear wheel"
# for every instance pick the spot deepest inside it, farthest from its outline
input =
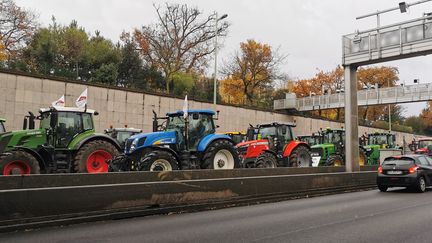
(93, 157)
(220, 154)
(300, 157)
(266, 160)
(158, 161)
(334, 160)
(18, 163)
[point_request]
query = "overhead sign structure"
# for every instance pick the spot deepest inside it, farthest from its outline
(381, 44)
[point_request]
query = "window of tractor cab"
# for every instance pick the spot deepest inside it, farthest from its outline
(87, 121)
(2, 128)
(69, 122)
(264, 132)
(45, 120)
(398, 161)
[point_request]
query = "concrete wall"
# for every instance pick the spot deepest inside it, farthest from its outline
(116, 107)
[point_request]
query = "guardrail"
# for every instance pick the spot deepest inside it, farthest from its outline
(42, 200)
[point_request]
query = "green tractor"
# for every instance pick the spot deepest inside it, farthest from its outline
(64, 142)
(121, 134)
(377, 141)
(2, 126)
(331, 152)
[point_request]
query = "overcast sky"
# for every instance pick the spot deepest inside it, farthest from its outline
(309, 31)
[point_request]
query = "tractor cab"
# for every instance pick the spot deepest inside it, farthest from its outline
(277, 134)
(384, 140)
(122, 134)
(2, 126)
(200, 124)
(63, 124)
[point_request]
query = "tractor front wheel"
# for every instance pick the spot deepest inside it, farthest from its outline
(158, 161)
(334, 160)
(300, 157)
(93, 157)
(18, 163)
(266, 160)
(221, 154)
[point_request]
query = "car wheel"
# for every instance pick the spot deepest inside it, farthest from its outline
(421, 184)
(382, 188)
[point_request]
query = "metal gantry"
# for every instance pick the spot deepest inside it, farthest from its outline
(379, 96)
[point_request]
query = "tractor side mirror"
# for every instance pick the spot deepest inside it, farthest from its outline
(284, 130)
(53, 121)
(195, 116)
(250, 133)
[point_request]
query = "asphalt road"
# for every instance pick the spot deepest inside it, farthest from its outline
(369, 216)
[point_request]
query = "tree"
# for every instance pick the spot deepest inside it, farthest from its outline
(17, 26)
(416, 123)
(251, 72)
(181, 40)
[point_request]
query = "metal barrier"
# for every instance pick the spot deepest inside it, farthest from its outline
(78, 199)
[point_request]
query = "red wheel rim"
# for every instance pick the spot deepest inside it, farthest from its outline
(97, 161)
(17, 167)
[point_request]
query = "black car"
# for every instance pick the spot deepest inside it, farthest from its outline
(412, 171)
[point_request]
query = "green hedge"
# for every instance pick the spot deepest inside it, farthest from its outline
(395, 127)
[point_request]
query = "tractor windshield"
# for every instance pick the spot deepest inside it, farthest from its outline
(2, 128)
(175, 123)
(424, 143)
(333, 137)
(265, 132)
(380, 140)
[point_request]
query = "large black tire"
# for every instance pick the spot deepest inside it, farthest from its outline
(220, 154)
(18, 162)
(266, 160)
(93, 157)
(382, 188)
(300, 157)
(335, 160)
(158, 160)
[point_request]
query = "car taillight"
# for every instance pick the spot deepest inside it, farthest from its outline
(413, 169)
(380, 171)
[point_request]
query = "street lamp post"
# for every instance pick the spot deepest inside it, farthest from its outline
(215, 57)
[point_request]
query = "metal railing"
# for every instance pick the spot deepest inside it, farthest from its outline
(380, 96)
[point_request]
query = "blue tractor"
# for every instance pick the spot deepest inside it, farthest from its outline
(179, 143)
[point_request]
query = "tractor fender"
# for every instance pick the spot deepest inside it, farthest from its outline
(207, 140)
(99, 136)
(269, 151)
(293, 145)
(42, 162)
(145, 150)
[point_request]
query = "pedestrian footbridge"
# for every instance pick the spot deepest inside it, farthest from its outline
(378, 96)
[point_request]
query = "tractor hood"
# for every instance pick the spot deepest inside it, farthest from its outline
(24, 138)
(143, 140)
(253, 143)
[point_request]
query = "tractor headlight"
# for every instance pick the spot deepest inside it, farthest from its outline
(133, 145)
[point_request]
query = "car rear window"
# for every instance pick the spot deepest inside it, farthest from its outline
(401, 161)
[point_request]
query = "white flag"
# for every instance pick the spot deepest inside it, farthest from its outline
(185, 108)
(82, 100)
(59, 103)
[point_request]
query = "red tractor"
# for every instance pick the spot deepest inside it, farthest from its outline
(422, 146)
(272, 145)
